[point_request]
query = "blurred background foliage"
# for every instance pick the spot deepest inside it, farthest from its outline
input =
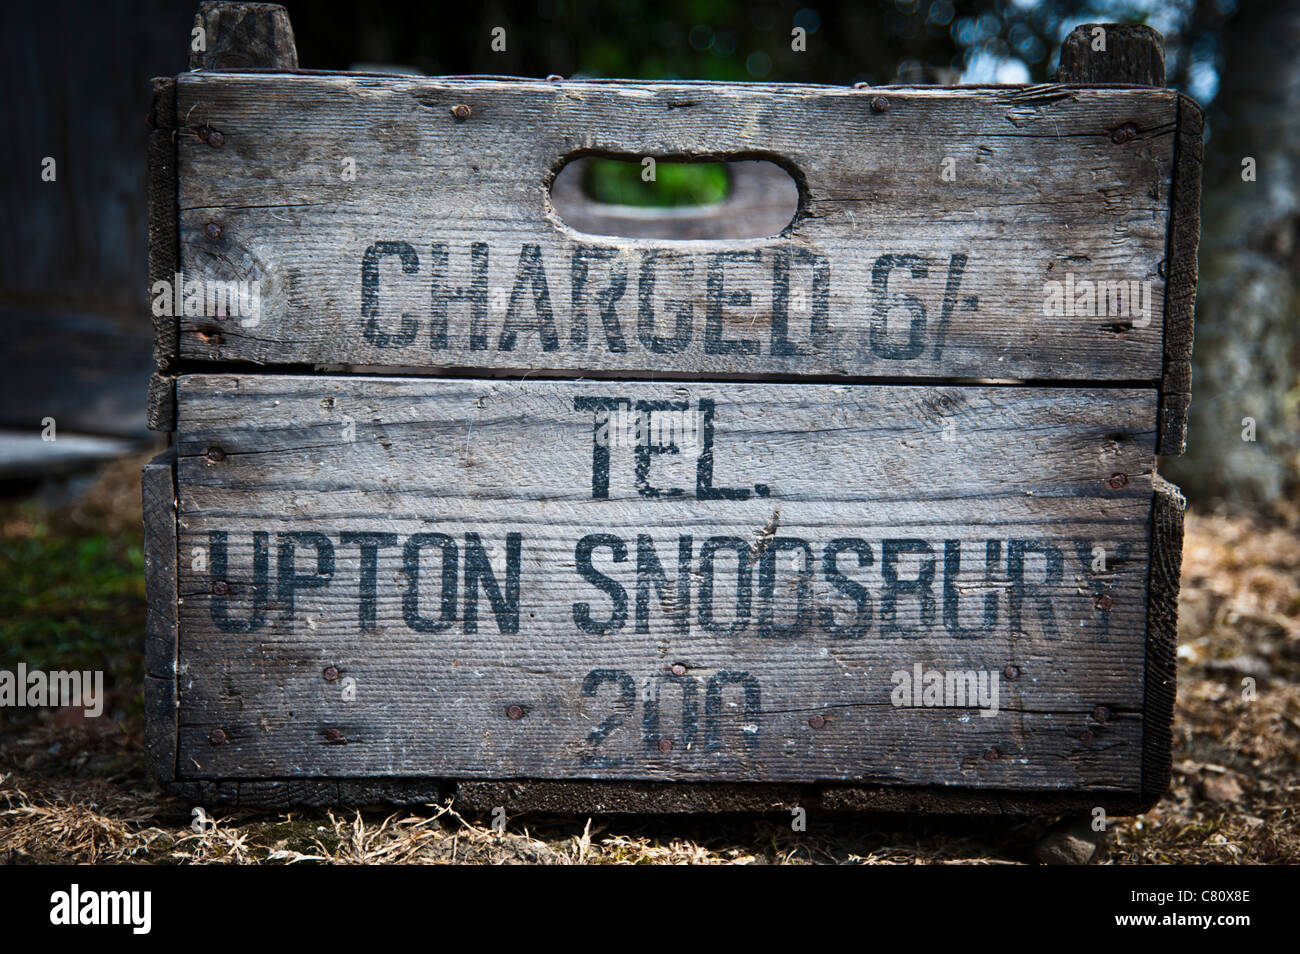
(624, 182)
(871, 41)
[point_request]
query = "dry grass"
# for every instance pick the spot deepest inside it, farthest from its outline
(73, 791)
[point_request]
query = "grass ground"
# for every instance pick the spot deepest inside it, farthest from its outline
(75, 790)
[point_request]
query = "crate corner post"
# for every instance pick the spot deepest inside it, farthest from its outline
(158, 488)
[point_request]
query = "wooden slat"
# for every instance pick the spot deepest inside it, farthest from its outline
(1050, 181)
(334, 455)
(1180, 293)
(164, 261)
(161, 410)
(158, 486)
(1167, 510)
(311, 792)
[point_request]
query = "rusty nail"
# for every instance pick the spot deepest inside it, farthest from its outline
(333, 734)
(880, 104)
(461, 112)
(679, 669)
(1125, 133)
(220, 588)
(554, 78)
(212, 230)
(817, 721)
(1101, 714)
(1118, 481)
(217, 736)
(665, 745)
(861, 85)
(1103, 602)
(216, 455)
(331, 673)
(1087, 736)
(1012, 672)
(515, 712)
(992, 755)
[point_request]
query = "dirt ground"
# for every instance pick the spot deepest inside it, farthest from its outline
(75, 790)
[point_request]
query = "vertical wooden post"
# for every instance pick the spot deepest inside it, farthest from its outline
(244, 36)
(1130, 54)
(1167, 510)
(158, 489)
(1112, 53)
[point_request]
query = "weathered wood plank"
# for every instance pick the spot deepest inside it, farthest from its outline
(1180, 292)
(161, 412)
(1120, 53)
(610, 797)
(1167, 509)
(164, 250)
(781, 690)
(312, 792)
(1052, 184)
(158, 488)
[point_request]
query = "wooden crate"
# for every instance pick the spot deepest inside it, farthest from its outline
(476, 505)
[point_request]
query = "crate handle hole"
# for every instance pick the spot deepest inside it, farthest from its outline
(674, 199)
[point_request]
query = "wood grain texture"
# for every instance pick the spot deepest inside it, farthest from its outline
(611, 797)
(1180, 292)
(158, 487)
(604, 797)
(244, 36)
(164, 261)
(1132, 53)
(1167, 508)
(1050, 182)
(266, 794)
(160, 414)
(333, 455)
